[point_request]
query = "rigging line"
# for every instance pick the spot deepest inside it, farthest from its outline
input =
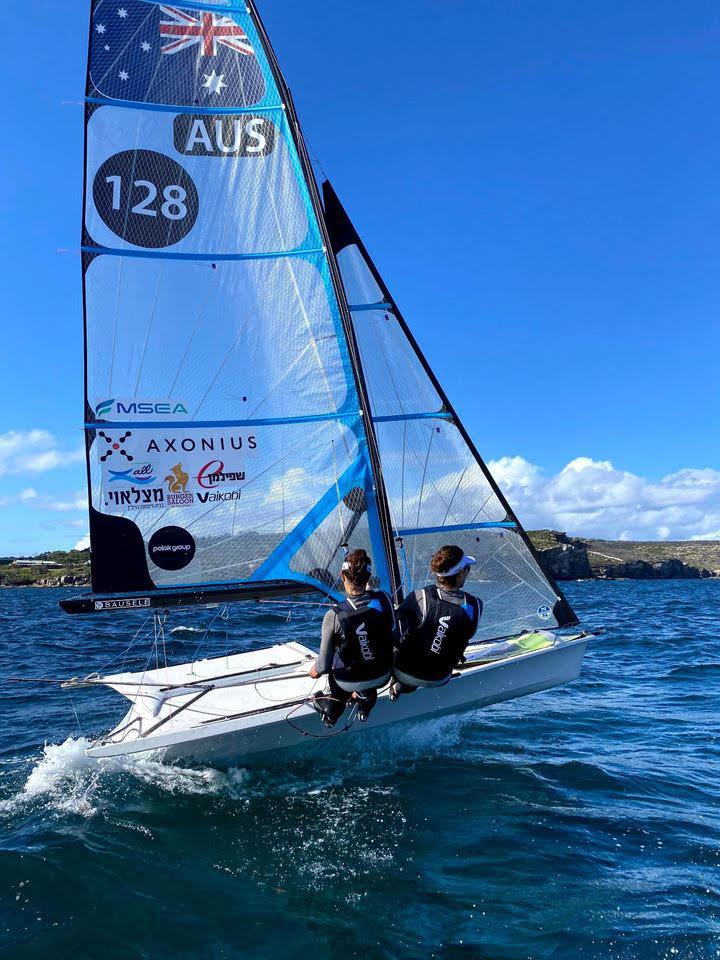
(339, 499)
(257, 476)
(149, 328)
(253, 315)
(196, 327)
(487, 499)
(77, 718)
(222, 613)
(422, 485)
(127, 650)
(291, 270)
(384, 355)
(457, 487)
(432, 483)
(286, 373)
(222, 242)
(507, 590)
(115, 326)
(528, 560)
(402, 473)
(127, 214)
(543, 596)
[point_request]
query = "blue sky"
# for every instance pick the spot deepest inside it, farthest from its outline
(537, 182)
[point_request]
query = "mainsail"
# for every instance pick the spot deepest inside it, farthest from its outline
(227, 429)
(439, 488)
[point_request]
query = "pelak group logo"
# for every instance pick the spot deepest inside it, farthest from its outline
(177, 481)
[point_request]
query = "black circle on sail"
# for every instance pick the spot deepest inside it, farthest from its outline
(146, 198)
(356, 500)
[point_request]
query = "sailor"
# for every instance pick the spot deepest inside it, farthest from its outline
(435, 625)
(356, 648)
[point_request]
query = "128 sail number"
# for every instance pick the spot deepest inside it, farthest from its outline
(146, 198)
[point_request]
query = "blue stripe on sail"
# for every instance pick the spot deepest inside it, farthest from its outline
(277, 564)
(257, 422)
(209, 424)
(488, 524)
(153, 255)
(370, 306)
(393, 418)
(233, 7)
(196, 108)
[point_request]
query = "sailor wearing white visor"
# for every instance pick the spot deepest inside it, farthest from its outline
(436, 625)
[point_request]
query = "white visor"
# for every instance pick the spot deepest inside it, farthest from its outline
(463, 562)
(346, 566)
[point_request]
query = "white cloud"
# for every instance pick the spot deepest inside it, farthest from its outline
(288, 486)
(594, 498)
(34, 451)
(45, 501)
(83, 543)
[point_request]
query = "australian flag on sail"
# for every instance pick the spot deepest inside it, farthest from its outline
(160, 53)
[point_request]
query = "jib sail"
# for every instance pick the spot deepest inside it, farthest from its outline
(225, 416)
(439, 490)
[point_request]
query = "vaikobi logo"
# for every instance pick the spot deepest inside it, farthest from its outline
(139, 408)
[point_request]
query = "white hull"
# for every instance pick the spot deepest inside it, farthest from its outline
(238, 716)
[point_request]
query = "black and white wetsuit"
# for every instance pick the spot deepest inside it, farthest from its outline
(436, 626)
(356, 651)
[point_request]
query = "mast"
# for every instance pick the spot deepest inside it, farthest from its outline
(343, 234)
(381, 493)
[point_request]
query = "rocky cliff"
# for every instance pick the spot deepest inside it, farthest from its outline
(575, 558)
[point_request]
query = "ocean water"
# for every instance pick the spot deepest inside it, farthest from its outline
(578, 823)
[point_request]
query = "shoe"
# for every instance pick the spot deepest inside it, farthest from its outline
(317, 706)
(394, 692)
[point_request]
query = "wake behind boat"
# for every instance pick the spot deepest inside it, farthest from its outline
(255, 400)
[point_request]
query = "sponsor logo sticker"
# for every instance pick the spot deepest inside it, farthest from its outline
(143, 474)
(171, 548)
(124, 603)
(115, 446)
(177, 481)
(214, 473)
(147, 408)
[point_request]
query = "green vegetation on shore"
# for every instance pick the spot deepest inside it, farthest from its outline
(573, 558)
(564, 557)
(73, 569)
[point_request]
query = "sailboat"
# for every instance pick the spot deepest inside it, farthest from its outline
(255, 402)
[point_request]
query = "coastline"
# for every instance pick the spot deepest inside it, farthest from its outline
(561, 556)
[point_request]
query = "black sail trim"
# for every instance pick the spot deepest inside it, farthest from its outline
(343, 234)
(361, 386)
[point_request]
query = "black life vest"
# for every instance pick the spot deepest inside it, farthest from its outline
(364, 646)
(432, 650)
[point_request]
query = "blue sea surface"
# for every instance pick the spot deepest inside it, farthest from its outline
(578, 823)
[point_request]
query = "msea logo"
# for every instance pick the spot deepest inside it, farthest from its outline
(146, 408)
